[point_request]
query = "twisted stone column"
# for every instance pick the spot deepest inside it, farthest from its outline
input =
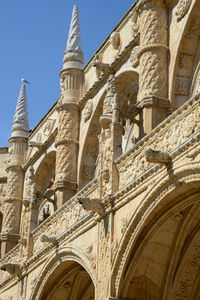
(68, 134)
(153, 82)
(13, 202)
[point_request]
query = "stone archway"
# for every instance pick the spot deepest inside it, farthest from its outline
(68, 281)
(67, 275)
(159, 252)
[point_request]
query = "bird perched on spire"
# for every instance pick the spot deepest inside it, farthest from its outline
(25, 81)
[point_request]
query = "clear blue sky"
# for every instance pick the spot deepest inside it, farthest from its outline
(33, 37)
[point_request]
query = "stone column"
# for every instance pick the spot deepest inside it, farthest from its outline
(153, 53)
(68, 134)
(13, 202)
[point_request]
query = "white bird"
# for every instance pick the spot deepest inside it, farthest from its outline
(25, 81)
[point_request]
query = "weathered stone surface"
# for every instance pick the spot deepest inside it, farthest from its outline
(101, 201)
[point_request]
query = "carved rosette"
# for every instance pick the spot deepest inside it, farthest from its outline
(153, 49)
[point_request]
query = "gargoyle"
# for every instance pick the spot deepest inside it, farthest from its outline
(94, 205)
(102, 67)
(36, 144)
(49, 239)
(12, 269)
(158, 157)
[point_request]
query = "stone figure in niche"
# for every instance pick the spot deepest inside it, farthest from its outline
(46, 210)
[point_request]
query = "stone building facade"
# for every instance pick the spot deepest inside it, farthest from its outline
(102, 199)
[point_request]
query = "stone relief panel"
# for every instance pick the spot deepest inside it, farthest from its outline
(65, 218)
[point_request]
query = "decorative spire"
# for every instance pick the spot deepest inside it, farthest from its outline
(20, 126)
(73, 57)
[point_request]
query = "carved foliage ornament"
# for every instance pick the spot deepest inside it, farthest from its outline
(182, 9)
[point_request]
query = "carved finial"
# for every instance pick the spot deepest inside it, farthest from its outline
(73, 57)
(49, 239)
(158, 157)
(94, 205)
(20, 126)
(12, 269)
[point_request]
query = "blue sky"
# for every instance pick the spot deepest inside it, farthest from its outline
(33, 38)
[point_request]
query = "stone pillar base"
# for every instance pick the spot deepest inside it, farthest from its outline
(154, 111)
(8, 241)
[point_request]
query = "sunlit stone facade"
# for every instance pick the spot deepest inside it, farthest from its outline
(101, 200)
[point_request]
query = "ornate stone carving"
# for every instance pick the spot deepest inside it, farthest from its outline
(12, 269)
(36, 144)
(115, 40)
(66, 147)
(157, 157)
(182, 9)
(134, 56)
(101, 67)
(49, 239)
(124, 223)
(48, 127)
(91, 256)
(135, 23)
(153, 50)
(88, 110)
(29, 185)
(94, 205)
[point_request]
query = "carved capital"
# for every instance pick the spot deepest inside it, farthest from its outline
(94, 205)
(158, 157)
